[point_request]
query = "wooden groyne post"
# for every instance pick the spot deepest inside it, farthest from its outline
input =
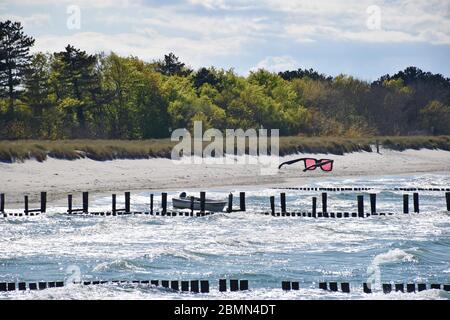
(222, 285)
(114, 210)
(416, 202)
(2, 203)
(405, 203)
(25, 199)
(230, 203)
(272, 205)
(127, 202)
(242, 201)
(360, 206)
(314, 207)
(69, 203)
(324, 202)
(283, 202)
(85, 202)
(202, 201)
(151, 203)
(373, 203)
(447, 199)
(43, 202)
(164, 203)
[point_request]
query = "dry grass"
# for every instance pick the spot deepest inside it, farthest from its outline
(16, 151)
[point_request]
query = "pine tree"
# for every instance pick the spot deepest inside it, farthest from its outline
(14, 58)
(172, 66)
(77, 76)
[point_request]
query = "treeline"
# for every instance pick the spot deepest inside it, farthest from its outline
(73, 94)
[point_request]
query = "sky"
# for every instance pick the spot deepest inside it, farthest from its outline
(365, 39)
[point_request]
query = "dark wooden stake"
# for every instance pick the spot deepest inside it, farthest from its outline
(164, 202)
(234, 285)
(2, 203)
(127, 202)
(242, 201)
(204, 286)
(272, 205)
(314, 207)
(283, 202)
(151, 203)
(324, 202)
(114, 204)
(222, 285)
(202, 201)
(43, 202)
(230, 202)
(69, 203)
(192, 205)
(85, 202)
(26, 204)
(447, 199)
(373, 203)
(416, 202)
(405, 203)
(361, 206)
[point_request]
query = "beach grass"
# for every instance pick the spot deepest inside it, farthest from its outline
(102, 150)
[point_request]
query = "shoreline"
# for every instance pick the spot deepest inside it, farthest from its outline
(61, 177)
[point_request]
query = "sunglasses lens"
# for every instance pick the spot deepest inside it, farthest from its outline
(310, 164)
(328, 166)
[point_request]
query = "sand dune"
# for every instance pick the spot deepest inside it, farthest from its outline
(59, 177)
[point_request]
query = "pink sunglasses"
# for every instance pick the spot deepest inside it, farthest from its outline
(312, 164)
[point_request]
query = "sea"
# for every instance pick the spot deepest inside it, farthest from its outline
(397, 249)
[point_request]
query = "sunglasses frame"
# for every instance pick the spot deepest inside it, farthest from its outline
(318, 163)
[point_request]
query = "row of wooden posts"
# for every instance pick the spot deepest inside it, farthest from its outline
(193, 285)
(127, 208)
(360, 199)
(202, 286)
(242, 206)
(367, 287)
(338, 189)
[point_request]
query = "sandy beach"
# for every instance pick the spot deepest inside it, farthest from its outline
(60, 177)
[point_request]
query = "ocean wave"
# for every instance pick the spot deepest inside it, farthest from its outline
(117, 265)
(183, 254)
(393, 256)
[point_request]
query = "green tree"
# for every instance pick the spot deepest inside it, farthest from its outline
(171, 66)
(436, 117)
(77, 80)
(38, 92)
(204, 75)
(14, 58)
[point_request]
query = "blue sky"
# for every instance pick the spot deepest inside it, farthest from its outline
(362, 38)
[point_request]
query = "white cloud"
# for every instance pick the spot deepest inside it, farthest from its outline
(200, 30)
(147, 45)
(217, 27)
(82, 3)
(34, 20)
(401, 21)
(276, 64)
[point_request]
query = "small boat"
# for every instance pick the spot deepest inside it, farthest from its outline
(184, 202)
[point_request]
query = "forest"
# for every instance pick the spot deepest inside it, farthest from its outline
(73, 94)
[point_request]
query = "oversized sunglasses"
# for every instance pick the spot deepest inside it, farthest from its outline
(312, 164)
